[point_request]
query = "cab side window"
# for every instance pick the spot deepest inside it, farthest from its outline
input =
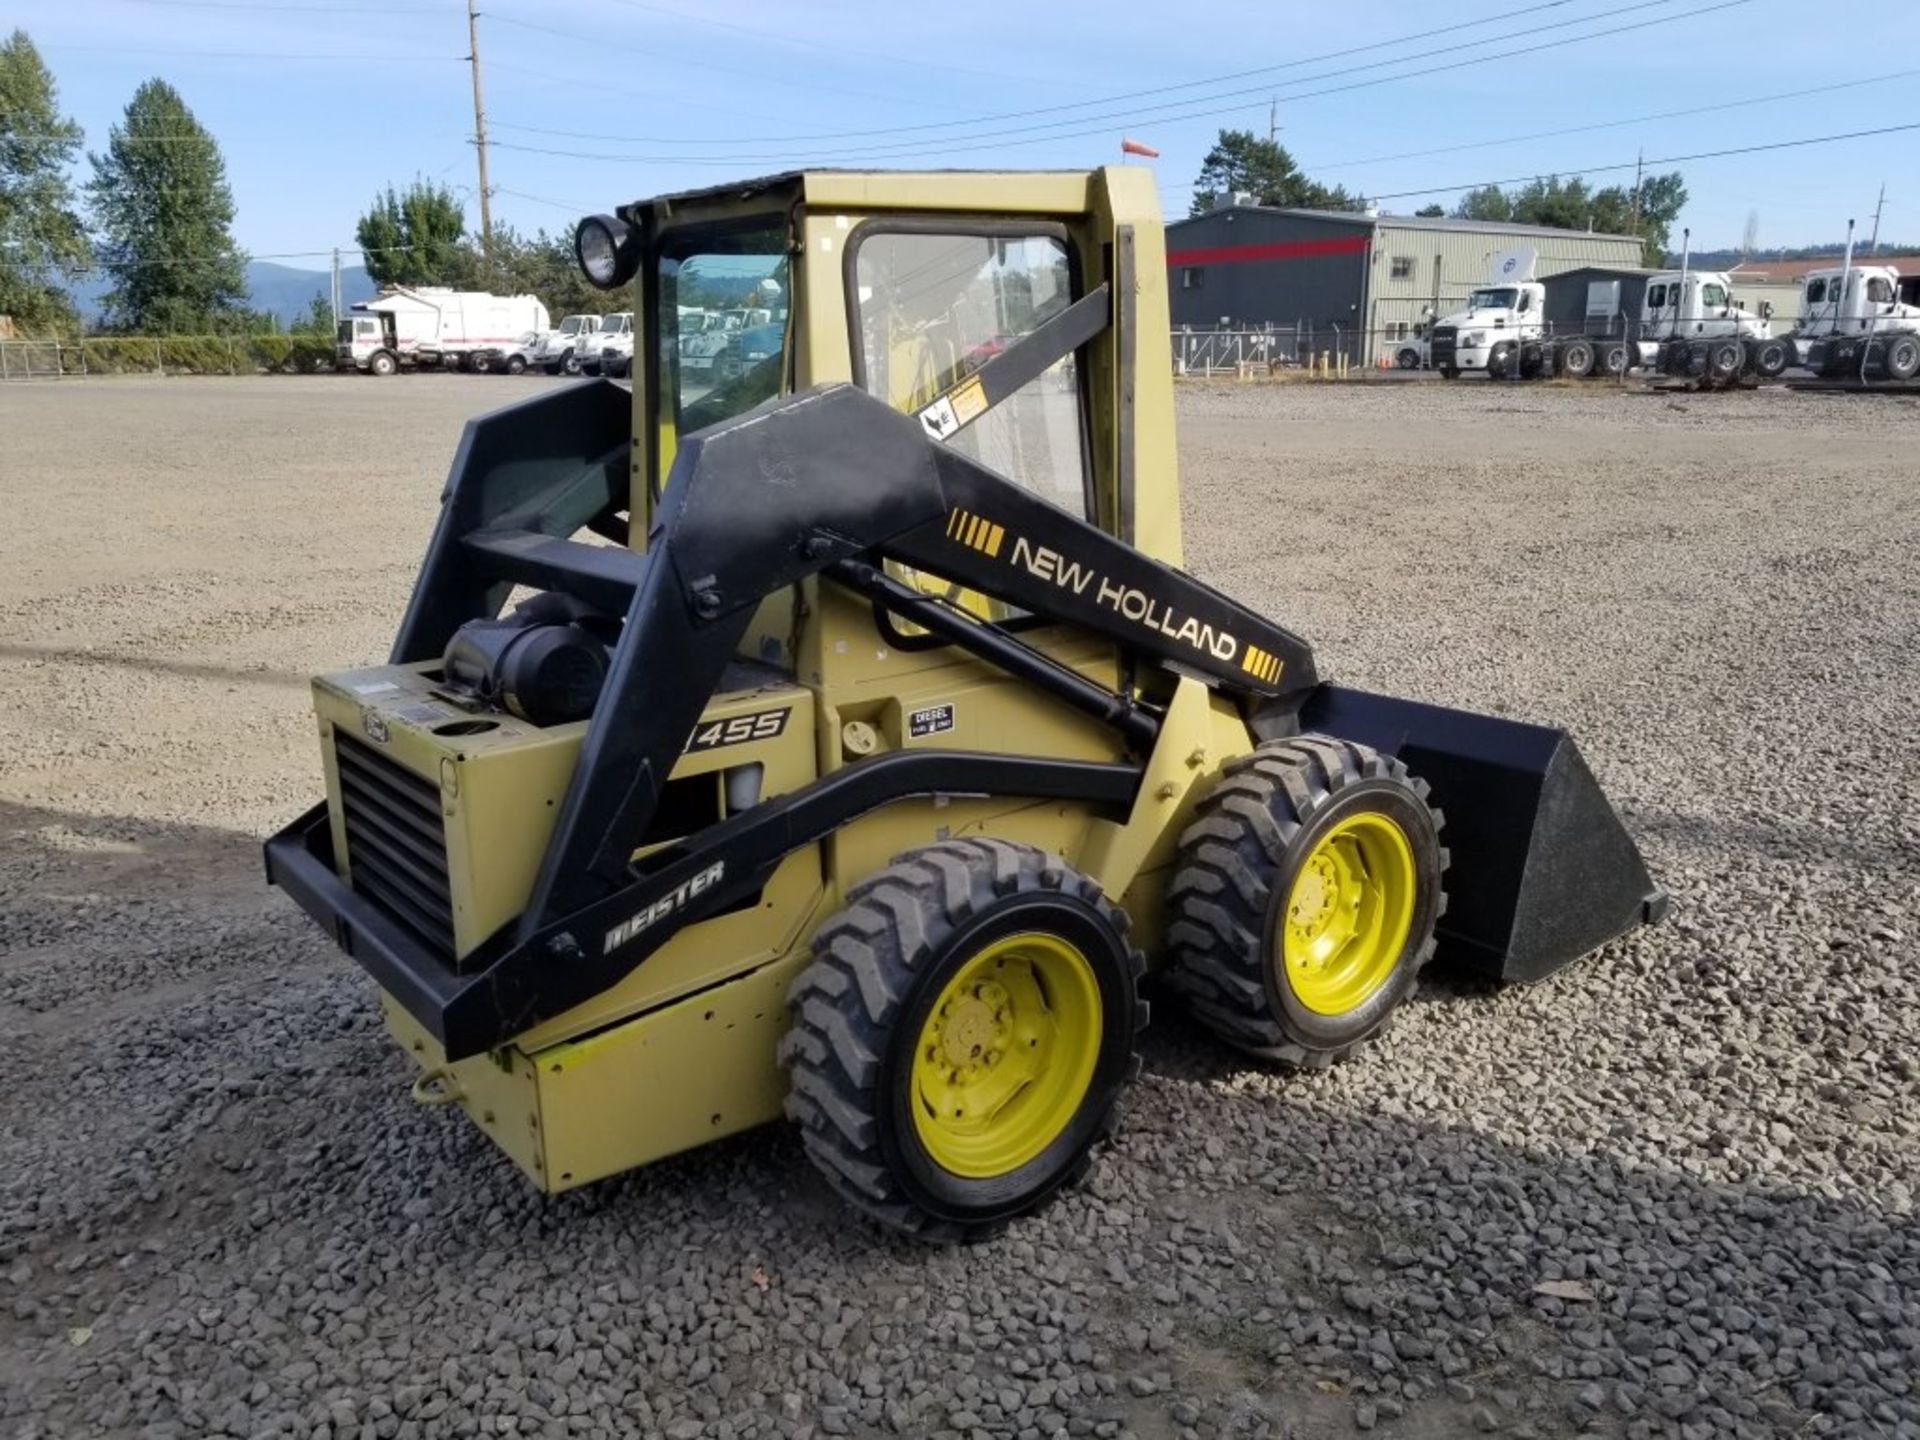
(1712, 297)
(1656, 297)
(934, 306)
(1879, 291)
(1817, 292)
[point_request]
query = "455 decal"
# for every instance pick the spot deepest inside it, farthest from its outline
(761, 725)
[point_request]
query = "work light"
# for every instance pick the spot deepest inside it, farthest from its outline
(607, 250)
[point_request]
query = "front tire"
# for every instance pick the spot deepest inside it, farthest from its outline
(1771, 358)
(1304, 899)
(516, 365)
(962, 1037)
(382, 364)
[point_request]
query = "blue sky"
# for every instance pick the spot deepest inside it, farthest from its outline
(318, 104)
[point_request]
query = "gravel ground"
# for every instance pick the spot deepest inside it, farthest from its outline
(1669, 1193)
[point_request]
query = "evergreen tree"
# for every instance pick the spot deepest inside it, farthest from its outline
(414, 238)
(1573, 205)
(42, 241)
(164, 215)
(1242, 162)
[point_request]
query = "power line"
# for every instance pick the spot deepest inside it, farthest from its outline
(603, 42)
(993, 140)
(386, 56)
(1656, 160)
(1126, 94)
(252, 8)
(1010, 137)
(1767, 99)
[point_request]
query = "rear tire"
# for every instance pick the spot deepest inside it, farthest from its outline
(1771, 358)
(918, 997)
(1902, 357)
(1611, 359)
(1265, 880)
(1576, 359)
(1725, 360)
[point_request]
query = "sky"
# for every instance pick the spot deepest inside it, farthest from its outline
(318, 105)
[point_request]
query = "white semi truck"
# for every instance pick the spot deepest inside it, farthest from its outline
(1680, 321)
(1862, 321)
(558, 352)
(432, 325)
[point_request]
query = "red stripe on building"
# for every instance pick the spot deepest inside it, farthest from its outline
(1279, 250)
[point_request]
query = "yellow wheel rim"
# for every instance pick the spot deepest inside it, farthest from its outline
(1006, 1055)
(1347, 914)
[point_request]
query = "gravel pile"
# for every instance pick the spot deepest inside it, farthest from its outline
(1670, 1193)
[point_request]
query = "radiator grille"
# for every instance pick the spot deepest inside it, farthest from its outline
(396, 840)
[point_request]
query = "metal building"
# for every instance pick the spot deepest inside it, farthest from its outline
(1353, 282)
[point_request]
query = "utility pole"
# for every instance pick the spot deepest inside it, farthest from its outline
(1639, 164)
(1273, 119)
(1873, 245)
(480, 134)
(334, 292)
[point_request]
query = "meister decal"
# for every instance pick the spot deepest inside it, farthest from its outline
(663, 907)
(762, 725)
(932, 720)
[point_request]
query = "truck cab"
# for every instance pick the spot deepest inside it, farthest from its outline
(611, 328)
(1859, 318)
(1495, 320)
(366, 341)
(559, 347)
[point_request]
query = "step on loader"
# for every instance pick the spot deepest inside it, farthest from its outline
(857, 743)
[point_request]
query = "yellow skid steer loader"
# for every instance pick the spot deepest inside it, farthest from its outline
(856, 742)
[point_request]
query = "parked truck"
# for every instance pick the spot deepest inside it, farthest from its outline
(1861, 321)
(558, 352)
(432, 325)
(1604, 322)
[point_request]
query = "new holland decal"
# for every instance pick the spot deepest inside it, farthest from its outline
(977, 532)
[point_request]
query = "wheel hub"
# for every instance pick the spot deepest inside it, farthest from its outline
(1348, 913)
(1006, 1055)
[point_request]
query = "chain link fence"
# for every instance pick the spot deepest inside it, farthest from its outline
(165, 355)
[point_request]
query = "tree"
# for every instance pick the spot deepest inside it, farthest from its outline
(42, 241)
(164, 215)
(1431, 212)
(1242, 162)
(1573, 205)
(318, 321)
(413, 238)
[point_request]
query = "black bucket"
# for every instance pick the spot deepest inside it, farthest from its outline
(1543, 871)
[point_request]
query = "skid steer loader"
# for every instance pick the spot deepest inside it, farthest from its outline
(856, 742)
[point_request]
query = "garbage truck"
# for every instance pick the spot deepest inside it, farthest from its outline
(431, 325)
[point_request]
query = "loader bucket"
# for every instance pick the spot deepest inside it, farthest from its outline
(1542, 870)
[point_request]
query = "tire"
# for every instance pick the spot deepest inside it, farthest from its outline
(382, 363)
(1611, 359)
(569, 364)
(1770, 358)
(1901, 359)
(1408, 359)
(921, 941)
(1725, 360)
(1281, 831)
(516, 365)
(1500, 364)
(1533, 362)
(1577, 359)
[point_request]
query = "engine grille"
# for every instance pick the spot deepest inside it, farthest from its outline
(396, 841)
(1444, 340)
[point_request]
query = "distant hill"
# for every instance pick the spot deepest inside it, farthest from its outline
(1731, 256)
(278, 289)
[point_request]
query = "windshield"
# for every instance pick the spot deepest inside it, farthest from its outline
(571, 325)
(1492, 299)
(345, 331)
(711, 273)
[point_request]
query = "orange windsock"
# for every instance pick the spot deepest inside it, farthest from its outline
(1138, 147)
